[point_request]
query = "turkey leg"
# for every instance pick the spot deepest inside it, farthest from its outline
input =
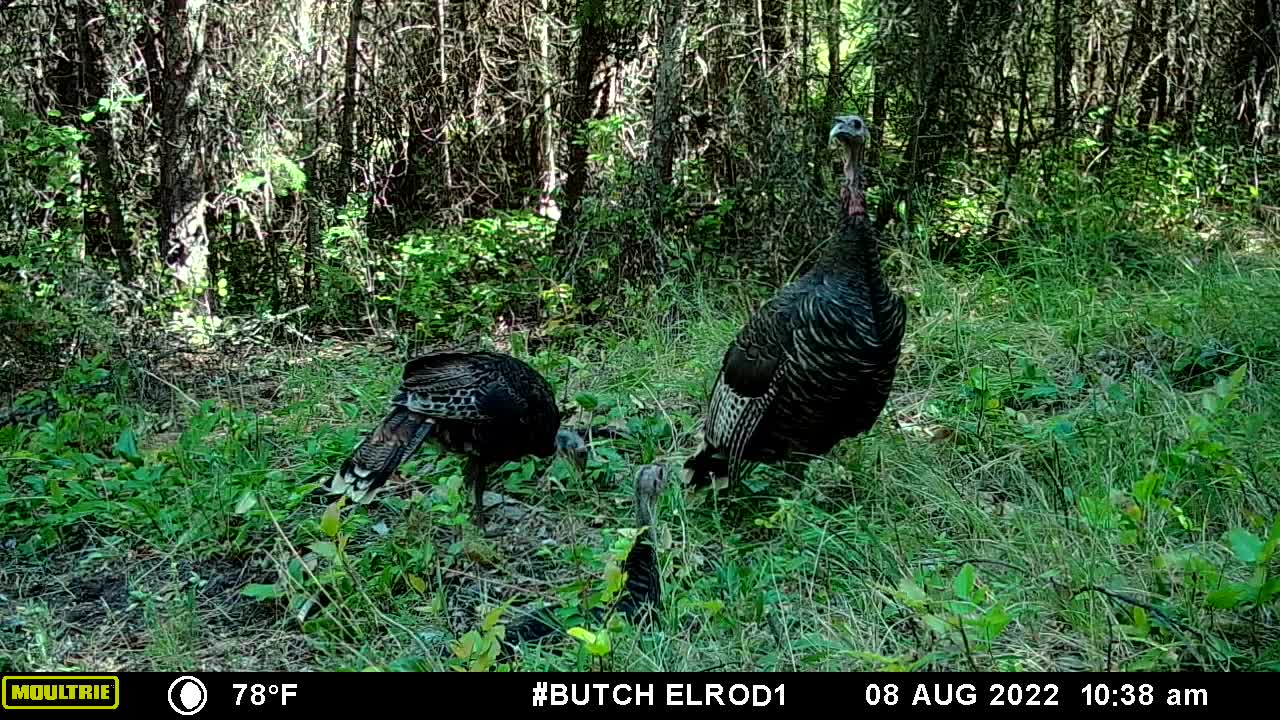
(477, 476)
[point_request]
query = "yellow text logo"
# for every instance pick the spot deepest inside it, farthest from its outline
(60, 692)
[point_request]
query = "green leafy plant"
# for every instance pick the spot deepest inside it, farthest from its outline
(963, 612)
(477, 650)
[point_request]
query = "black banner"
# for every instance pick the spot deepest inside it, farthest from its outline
(314, 695)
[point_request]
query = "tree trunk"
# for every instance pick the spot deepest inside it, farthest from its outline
(1063, 61)
(547, 136)
(773, 15)
(667, 83)
(806, 58)
(879, 97)
(309, 87)
(1153, 81)
(593, 45)
(831, 100)
(442, 69)
(1134, 59)
(880, 87)
(183, 238)
(111, 235)
(346, 129)
(1188, 107)
(104, 229)
(1164, 85)
(1256, 68)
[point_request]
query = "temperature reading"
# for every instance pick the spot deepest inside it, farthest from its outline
(258, 693)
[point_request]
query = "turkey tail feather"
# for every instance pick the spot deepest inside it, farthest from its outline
(377, 457)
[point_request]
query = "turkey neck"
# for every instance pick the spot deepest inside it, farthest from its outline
(855, 252)
(644, 516)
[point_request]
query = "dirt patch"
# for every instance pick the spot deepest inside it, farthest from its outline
(141, 613)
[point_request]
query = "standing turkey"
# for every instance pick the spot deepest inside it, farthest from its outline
(490, 406)
(816, 363)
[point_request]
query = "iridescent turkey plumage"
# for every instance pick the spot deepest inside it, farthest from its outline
(816, 363)
(489, 406)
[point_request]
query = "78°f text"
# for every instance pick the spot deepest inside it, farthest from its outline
(650, 694)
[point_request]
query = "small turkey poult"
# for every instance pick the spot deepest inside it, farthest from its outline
(489, 406)
(816, 363)
(642, 588)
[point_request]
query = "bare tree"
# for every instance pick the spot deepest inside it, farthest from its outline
(546, 117)
(184, 242)
(667, 81)
(350, 77)
(105, 235)
(595, 39)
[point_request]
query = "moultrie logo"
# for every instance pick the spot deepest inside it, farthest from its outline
(60, 692)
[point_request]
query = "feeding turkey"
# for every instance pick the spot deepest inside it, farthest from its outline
(489, 406)
(816, 363)
(642, 589)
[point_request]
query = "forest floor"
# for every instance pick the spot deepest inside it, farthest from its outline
(1076, 471)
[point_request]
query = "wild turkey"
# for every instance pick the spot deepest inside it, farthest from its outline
(642, 589)
(490, 406)
(816, 363)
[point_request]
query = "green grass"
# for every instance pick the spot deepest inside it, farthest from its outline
(1076, 472)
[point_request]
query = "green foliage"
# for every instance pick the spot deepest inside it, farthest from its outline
(1248, 582)
(41, 243)
(477, 650)
(1074, 469)
(964, 614)
(281, 174)
(460, 279)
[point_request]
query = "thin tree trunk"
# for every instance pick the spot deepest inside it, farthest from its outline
(1164, 82)
(547, 205)
(1153, 78)
(668, 79)
(308, 86)
(773, 14)
(1256, 70)
(806, 43)
(592, 47)
(104, 233)
(667, 85)
(183, 238)
(831, 100)
(1188, 91)
(1133, 57)
(1063, 61)
(347, 130)
(879, 96)
(442, 69)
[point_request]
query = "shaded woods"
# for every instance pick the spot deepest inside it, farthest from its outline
(224, 224)
(373, 160)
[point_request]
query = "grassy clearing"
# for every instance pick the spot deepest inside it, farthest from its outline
(1077, 471)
